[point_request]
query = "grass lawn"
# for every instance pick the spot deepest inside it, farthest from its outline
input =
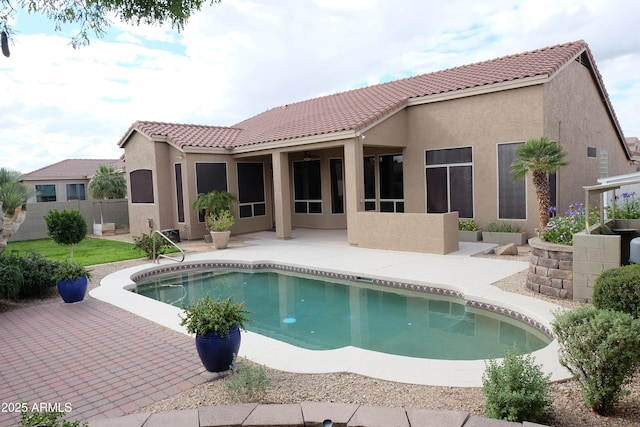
(90, 251)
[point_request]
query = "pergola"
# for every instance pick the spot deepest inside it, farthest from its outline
(600, 190)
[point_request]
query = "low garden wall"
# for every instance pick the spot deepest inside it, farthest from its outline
(550, 269)
(414, 232)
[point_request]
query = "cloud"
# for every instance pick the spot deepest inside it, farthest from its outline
(236, 59)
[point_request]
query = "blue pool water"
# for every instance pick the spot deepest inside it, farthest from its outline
(314, 313)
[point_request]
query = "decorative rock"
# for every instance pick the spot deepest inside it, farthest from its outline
(508, 249)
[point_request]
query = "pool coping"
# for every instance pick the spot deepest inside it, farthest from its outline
(286, 357)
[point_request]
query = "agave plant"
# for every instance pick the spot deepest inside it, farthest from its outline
(13, 200)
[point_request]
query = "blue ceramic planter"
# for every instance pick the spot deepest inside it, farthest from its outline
(72, 290)
(216, 353)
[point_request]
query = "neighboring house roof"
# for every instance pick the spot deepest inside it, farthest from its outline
(80, 169)
(634, 147)
(358, 109)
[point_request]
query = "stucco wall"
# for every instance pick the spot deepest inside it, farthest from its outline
(160, 157)
(33, 227)
(576, 116)
(61, 188)
(413, 232)
(140, 154)
(480, 122)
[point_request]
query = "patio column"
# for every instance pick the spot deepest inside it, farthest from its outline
(282, 195)
(354, 185)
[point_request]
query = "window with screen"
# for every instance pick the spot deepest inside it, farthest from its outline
(251, 193)
(449, 177)
(141, 186)
(307, 187)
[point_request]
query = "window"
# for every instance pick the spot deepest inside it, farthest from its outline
(307, 187)
(369, 183)
(75, 192)
(45, 193)
(179, 192)
(209, 177)
(591, 152)
(337, 186)
(512, 203)
(391, 183)
(449, 174)
(141, 186)
(251, 200)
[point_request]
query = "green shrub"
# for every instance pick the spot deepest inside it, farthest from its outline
(503, 227)
(246, 383)
(11, 278)
(66, 228)
(28, 276)
(48, 419)
(222, 221)
(144, 243)
(560, 229)
(600, 347)
(619, 289)
(516, 390)
(468, 225)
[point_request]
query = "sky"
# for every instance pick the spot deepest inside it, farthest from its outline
(238, 58)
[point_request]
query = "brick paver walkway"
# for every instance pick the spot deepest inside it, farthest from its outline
(100, 360)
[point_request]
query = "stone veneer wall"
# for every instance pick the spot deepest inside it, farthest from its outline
(550, 269)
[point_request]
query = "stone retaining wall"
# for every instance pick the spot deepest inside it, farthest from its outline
(550, 269)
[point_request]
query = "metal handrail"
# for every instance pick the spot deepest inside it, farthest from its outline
(156, 259)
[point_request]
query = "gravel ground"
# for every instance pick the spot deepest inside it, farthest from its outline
(351, 388)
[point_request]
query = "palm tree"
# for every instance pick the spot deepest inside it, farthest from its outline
(107, 183)
(13, 201)
(540, 157)
(213, 203)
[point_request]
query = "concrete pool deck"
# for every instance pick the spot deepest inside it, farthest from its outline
(104, 365)
(329, 251)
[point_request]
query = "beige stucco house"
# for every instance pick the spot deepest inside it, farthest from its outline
(65, 180)
(395, 164)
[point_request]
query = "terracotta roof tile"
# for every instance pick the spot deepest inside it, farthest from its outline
(182, 135)
(71, 169)
(356, 109)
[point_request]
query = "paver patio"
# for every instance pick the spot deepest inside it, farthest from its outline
(100, 360)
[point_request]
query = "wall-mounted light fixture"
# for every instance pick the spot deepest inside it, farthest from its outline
(179, 157)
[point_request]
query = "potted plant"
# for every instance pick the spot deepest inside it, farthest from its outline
(68, 228)
(217, 324)
(213, 203)
(504, 233)
(220, 227)
(468, 231)
(71, 279)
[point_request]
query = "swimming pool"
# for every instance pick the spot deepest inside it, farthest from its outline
(319, 310)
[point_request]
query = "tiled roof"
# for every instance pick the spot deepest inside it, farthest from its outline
(182, 135)
(71, 169)
(356, 109)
